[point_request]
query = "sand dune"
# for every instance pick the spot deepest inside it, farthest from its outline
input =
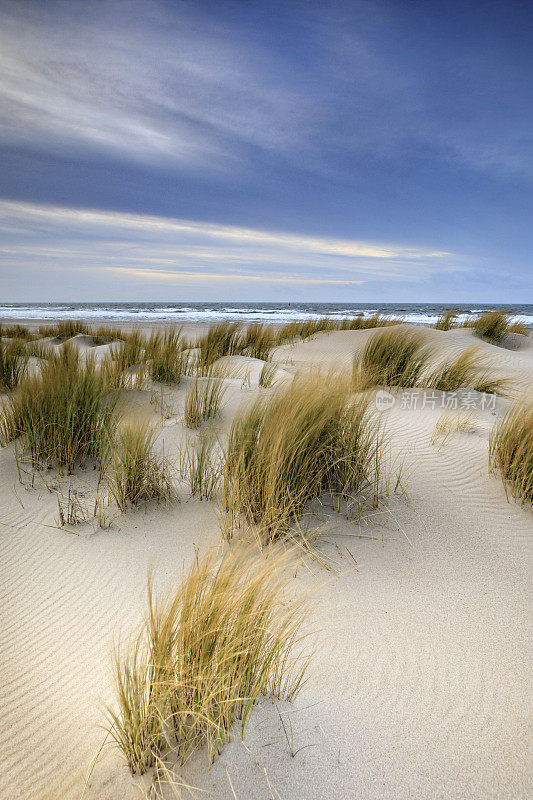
(419, 683)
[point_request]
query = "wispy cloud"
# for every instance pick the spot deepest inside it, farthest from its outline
(178, 86)
(151, 248)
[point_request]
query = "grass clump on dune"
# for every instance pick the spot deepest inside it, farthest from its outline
(203, 400)
(16, 332)
(220, 340)
(63, 414)
(495, 325)
(257, 341)
(392, 357)
(286, 449)
(135, 472)
(448, 423)
(469, 370)
(64, 330)
(164, 354)
(267, 375)
(13, 362)
(447, 320)
(200, 466)
(204, 657)
(511, 450)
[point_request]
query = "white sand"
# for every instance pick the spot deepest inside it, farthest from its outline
(419, 686)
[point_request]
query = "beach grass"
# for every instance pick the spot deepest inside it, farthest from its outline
(284, 450)
(165, 356)
(257, 341)
(493, 326)
(64, 330)
(204, 657)
(267, 375)
(203, 399)
(511, 449)
(63, 414)
(200, 466)
(468, 370)
(220, 340)
(13, 362)
(447, 320)
(448, 423)
(395, 356)
(135, 472)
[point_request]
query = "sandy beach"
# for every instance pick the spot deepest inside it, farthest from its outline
(419, 681)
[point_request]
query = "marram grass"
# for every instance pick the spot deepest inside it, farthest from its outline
(13, 362)
(203, 399)
(63, 414)
(205, 655)
(283, 451)
(468, 370)
(495, 325)
(511, 450)
(395, 356)
(135, 471)
(447, 320)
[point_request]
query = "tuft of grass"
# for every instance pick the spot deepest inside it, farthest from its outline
(63, 414)
(267, 375)
(13, 362)
(447, 320)
(204, 656)
(199, 465)
(286, 449)
(135, 472)
(492, 326)
(104, 334)
(447, 424)
(519, 327)
(16, 332)
(220, 340)
(469, 370)
(64, 330)
(167, 361)
(126, 367)
(257, 341)
(203, 400)
(392, 357)
(511, 450)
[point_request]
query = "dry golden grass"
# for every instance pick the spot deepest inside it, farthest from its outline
(469, 370)
(135, 471)
(447, 320)
(448, 423)
(220, 340)
(166, 358)
(64, 330)
(312, 436)
(203, 399)
(396, 356)
(495, 325)
(13, 362)
(267, 375)
(204, 657)
(200, 466)
(63, 414)
(511, 450)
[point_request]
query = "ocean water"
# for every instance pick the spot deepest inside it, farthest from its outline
(420, 313)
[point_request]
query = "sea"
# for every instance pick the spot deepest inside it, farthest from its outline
(419, 313)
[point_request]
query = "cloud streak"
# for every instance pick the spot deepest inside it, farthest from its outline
(149, 248)
(179, 87)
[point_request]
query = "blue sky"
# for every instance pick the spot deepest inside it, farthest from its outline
(354, 151)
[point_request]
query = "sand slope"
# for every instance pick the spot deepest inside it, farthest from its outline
(419, 687)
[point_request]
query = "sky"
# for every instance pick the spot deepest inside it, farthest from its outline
(349, 151)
